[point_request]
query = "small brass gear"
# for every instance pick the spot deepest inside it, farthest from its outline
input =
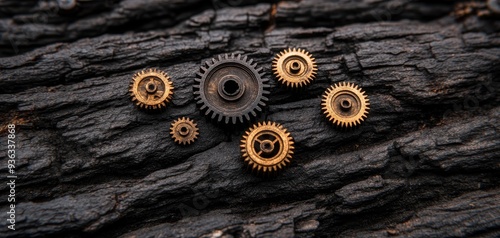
(345, 104)
(267, 147)
(184, 131)
(151, 89)
(295, 67)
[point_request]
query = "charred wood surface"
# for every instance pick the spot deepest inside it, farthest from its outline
(426, 162)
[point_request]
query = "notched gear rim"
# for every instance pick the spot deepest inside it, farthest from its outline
(220, 115)
(267, 165)
(191, 134)
(151, 104)
(289, 79)
(345, 88)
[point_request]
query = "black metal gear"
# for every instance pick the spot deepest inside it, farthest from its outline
(231, 88)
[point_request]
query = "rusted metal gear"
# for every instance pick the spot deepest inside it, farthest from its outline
(231, 89)
(67, 5)
(151, 89)
(184, 131)
(295, 67)
(345, 104)
(267, 147)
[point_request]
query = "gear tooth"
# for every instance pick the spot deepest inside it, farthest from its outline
(203, 69)
(245, 58)
(220, 57)
(250, 62)
(226, 56)
(233, 119)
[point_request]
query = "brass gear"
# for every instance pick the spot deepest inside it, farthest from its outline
(267, 147)
(184, 131)
(345, 104)
(295, 67)
(151, 89)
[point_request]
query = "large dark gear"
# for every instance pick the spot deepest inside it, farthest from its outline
(231, 89)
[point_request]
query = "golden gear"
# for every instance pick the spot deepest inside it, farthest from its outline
(184, 131)
(295, 67)
(151, 89)
(345, 104)
(267, 147)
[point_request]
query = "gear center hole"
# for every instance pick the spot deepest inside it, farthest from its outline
(346, 104)
(295, 67)
(231, 87)
(183, 130)
(151, 87)
(267, 146)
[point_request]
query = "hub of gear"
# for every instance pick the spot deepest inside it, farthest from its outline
(295, 67)
(345, 104)
(184, 131)
(151, 89)
(267, 147)
(231, 89)
(67, 5)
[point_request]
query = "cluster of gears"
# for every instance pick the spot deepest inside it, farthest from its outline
(231, 89)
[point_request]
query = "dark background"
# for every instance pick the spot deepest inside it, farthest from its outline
(424, 164)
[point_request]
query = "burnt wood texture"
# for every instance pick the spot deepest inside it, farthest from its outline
(426, 162)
